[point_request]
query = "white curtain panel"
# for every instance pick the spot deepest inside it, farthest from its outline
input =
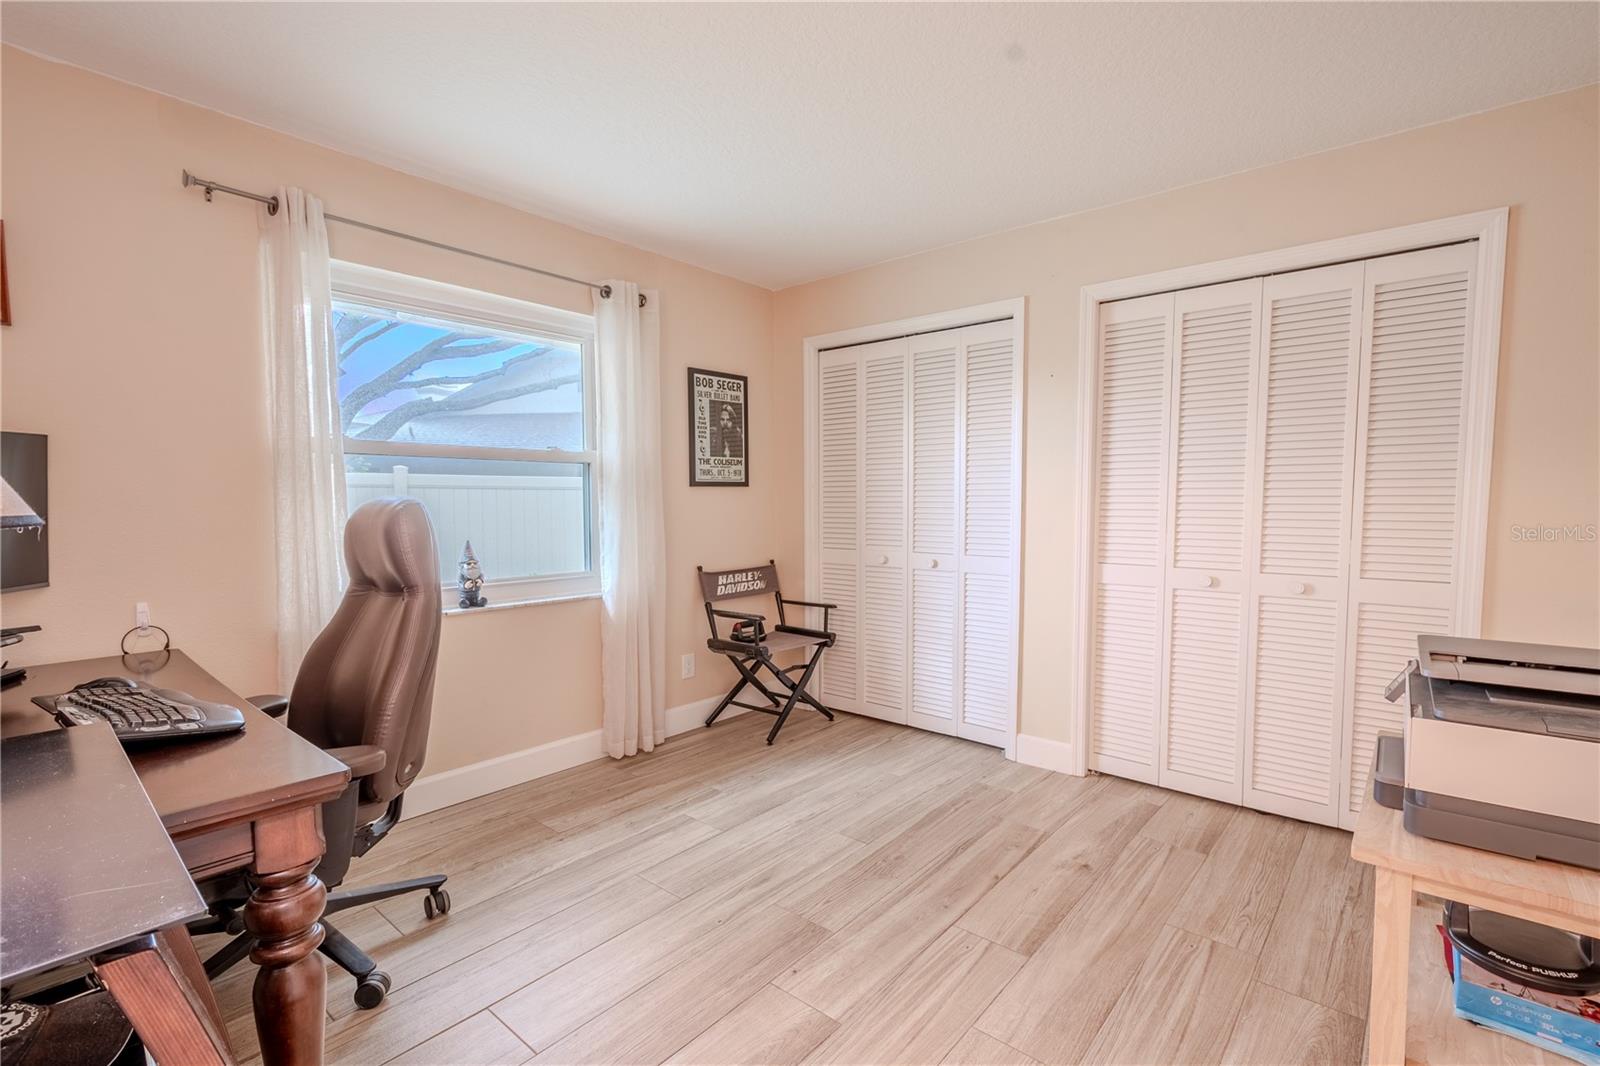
(307, 440)
(632, 531)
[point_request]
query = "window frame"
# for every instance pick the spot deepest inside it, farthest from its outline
(385, 290)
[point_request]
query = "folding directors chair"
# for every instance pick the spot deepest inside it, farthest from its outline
(750, 645)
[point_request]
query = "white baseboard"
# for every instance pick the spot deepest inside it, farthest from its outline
(1047, 754)
(434, 791)
(690, 716)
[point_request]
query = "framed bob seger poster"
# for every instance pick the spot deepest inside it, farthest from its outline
(719, 429)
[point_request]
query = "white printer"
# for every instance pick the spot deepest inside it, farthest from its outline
(1501, 748)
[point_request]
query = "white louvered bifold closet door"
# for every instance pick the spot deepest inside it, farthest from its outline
(839, 402)
(916, 527)
(1407, 483)
(991, 463)
(1209, 539)
(1306, 378)
(1129, 536)
(883, 533)
(932, 560)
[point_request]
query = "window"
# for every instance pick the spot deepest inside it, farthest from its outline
(482, 407)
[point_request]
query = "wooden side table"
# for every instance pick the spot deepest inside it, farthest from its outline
(1551, 893)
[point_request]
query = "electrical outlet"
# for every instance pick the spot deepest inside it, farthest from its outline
(141, 615)
(688, 665)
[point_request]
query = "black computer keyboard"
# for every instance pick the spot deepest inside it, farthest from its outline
(138, 713)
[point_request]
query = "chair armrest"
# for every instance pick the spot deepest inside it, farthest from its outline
(757, 620)
(740, 615)
(811, 603)
(364, 760)
(741, 648)
(270, 705)
(802, 631)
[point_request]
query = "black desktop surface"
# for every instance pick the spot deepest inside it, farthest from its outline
(87, 864)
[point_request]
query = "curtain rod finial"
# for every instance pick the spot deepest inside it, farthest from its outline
(605, 292)
(189, 179)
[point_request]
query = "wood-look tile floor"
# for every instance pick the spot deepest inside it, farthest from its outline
(857, 893)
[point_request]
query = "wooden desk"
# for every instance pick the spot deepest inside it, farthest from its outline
(1552, 893)
(90, 874)
(247, 802)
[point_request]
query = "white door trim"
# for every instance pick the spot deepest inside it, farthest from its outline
(1488, 228)
(1014, 309)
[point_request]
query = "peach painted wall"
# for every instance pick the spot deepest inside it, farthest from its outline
(136, 349)
(1539, 158)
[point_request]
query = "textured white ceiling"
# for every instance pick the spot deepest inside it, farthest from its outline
(782, 143)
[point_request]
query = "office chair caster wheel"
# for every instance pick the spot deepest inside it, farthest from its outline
(371, 989)
(436, 904)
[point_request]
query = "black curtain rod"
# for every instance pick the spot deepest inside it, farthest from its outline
(271, 203)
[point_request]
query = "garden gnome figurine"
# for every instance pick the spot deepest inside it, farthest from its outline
(471, 579)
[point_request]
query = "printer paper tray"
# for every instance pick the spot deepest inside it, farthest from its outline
(1523, 834)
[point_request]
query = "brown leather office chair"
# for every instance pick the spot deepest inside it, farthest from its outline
(364, 694)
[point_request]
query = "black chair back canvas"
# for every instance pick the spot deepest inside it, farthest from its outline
(719, 585)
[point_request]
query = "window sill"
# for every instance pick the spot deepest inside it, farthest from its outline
(512, 604)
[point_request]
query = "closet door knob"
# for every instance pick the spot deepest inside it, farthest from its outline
(1210, 583)
(933, 564)
(1299, 589)
(884, 561)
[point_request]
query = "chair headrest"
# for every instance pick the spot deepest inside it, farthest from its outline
(388, 546)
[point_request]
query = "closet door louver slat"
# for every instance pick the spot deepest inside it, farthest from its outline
(935, 387)
(1295, 717)
(839, 492)
(885, 452)
(1133, 417)
(986, 662)
(1216, 349)
(1205, 663)
(841, 676)
(990, 458)
(1305, 481)
(988, 465)
(1413, 432)
(933, 638)
(933, 452)
(883, 568)
(1124, 684)
(1385, 637)
(1407, 483)
(1295, 628)
(1135, 345)
(1215, 338)
(841, 486)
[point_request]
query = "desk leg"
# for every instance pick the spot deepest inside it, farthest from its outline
(153, 982)
(1391, 968)
(284, 914)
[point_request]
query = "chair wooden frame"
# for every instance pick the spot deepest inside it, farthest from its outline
(750, 646)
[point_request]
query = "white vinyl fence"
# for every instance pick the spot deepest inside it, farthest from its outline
(519, 526)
